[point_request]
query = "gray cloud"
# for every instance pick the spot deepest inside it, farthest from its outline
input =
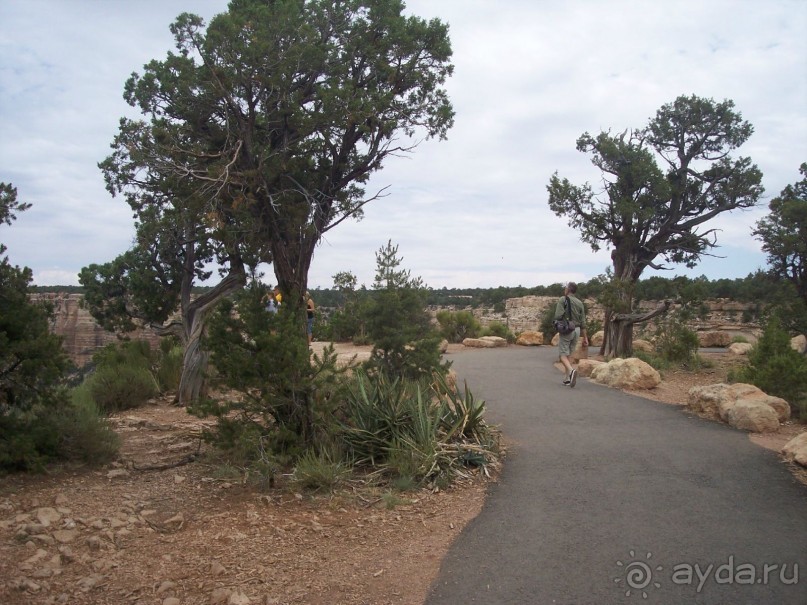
(470, 211)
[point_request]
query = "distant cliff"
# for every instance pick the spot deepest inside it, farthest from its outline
(82, 335)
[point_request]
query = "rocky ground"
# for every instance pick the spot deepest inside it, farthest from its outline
(155, 529)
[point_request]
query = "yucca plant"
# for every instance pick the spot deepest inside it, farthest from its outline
(411, 431)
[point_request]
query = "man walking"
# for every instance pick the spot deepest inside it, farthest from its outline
(570, 306)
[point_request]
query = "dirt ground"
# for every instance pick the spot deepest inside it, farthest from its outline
(143, 531)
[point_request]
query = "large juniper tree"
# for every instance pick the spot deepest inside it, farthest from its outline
(646, 212)
(260, 134)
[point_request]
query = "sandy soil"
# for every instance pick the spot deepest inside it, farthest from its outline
(145, 531)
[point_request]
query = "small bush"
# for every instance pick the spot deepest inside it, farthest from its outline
(496, 328)
(457, 326)
(739, 338)
(675, 342)
(414, 431)
(320, 471)
(169, 368)
(776, 368)
(122, 387)
(85, 432)
(67, 428)
(653, 360)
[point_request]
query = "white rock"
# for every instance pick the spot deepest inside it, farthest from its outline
(47, 516)
(586, 366)
(753, 415)
(530, 339)
(716, 400)
(65, 536)
(216, 569)
(796, 449)
(238, 598)
(740, 348)
(799, 343)
(631, 373)
(220, 596)
(166, 586)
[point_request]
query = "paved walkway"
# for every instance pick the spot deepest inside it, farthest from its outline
(607, 497)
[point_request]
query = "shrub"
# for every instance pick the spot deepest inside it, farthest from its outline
(70, 427)
(122, 387)
(85, 432)
(776, 368)
(675, 342)
(284, 401)
(415, 431)
(459, 325)
(496, 328)
(320, 470)
(169, 364)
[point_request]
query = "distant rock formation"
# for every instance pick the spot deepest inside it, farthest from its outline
(721, 319)
(82, 335)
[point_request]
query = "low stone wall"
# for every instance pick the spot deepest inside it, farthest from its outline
(526, 314)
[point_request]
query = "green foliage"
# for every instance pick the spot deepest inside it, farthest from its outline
(593, 326)
(776, 368)
(644, 211)
(284, 402)
(169, 364)
(204, 169)
(122, 387)
(32, 362)
(38, 423)
(85, 432)
(784, 234)
(124, 376)
(320, 471)
(496, 328)
(415, 431)
(404, 340)
(654, 360)
(675, 342)
(456, 326)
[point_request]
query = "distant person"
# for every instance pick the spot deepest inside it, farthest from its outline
(270, 303)
(569, 306)
(309, 312)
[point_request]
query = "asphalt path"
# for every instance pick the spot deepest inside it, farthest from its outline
(607, 498)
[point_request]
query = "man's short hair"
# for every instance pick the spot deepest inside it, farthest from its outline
(572, 287)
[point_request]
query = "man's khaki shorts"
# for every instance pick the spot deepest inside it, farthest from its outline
(568, 342)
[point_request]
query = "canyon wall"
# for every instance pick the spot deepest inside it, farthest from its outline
(82, 335)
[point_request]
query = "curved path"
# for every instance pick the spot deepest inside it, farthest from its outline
(611, 498)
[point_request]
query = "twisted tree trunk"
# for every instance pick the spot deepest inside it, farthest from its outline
(619, 333)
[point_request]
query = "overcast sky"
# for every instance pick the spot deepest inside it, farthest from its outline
(530, 77)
